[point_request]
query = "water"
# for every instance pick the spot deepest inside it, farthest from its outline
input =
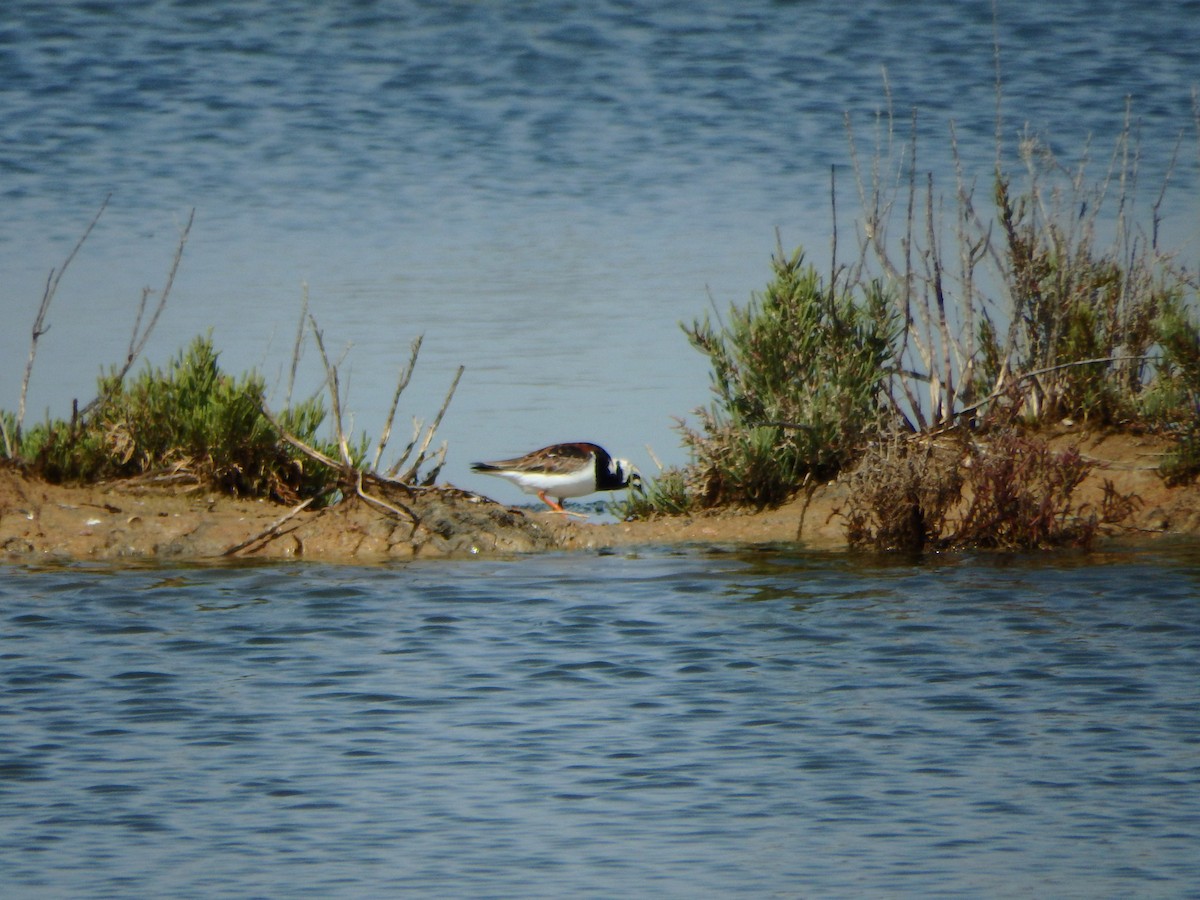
(669, 724)
(544, 189)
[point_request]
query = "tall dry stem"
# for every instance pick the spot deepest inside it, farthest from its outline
(335, 394)
(411, 473)
(40, 327)
(401, 383)
(139, 336)
(298, 345)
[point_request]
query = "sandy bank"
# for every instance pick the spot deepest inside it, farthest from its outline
(145, 521)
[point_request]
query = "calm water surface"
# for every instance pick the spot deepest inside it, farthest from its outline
(669, 724)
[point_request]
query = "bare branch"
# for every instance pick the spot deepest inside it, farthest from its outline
(137, 340)
(271, 531)
(335, 395)
(833, 249)
(947, 375)
(416, 436)
(375, 501)
(39, 323)
(304, 448)
(401, 384)
(1037, 373)
(297, 347)
(411, 474)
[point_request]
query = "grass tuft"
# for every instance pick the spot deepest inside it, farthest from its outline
(189, 419)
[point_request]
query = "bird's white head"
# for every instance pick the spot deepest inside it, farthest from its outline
(626, 473)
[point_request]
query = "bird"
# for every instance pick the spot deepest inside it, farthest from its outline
(564, 470)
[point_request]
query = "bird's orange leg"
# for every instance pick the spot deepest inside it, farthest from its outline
(558, 507)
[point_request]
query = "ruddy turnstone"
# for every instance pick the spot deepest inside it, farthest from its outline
(564, 470)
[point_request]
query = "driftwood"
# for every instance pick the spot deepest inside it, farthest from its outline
(351, 478)
(271, 531)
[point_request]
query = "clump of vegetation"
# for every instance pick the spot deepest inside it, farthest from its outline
(1181, 465)
(188, 419)
(975, 323)
(1174, 397)
(798, 377)
(1010, 492)
(667, 495)
(1081, 321)
(191, 421)
(1022, 495)
(902, 493)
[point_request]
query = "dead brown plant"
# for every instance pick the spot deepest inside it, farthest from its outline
(901, 494)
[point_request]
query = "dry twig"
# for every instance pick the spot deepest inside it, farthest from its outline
(271, 531)
(139, 336)
(40, 327)
(411, 474)
(401, 384)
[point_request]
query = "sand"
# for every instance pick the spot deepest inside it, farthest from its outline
(149, 520)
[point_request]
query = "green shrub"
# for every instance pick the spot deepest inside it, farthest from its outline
(1017, 314)
(1171, 401)
(667, 495)
(1181, 464)
(1072, 303)
(1178, 335)
(797, 374)
(188, 418)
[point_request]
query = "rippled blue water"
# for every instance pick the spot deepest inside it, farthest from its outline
(545, 188)
(671, 724)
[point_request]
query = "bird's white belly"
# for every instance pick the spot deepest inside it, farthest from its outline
(561, 486)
